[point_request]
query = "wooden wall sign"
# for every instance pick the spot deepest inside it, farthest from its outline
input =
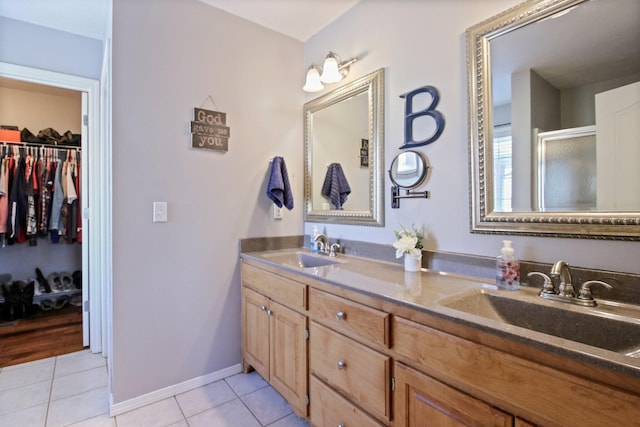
(208, 130)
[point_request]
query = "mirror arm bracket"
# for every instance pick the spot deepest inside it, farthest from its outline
(395, 196)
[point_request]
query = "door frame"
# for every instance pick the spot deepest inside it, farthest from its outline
(96, 178)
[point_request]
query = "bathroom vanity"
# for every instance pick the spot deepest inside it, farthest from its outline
(358, 342)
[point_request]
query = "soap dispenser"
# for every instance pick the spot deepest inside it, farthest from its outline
(313, 244)
(507, 268)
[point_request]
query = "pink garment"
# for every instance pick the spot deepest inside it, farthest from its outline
(4, 199)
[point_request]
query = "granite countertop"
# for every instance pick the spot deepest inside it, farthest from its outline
(426, 290)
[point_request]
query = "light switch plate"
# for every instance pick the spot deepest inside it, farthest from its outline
(277, 212)
(160, 212)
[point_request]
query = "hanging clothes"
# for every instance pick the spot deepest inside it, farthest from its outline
(18, 204)
(39, 194)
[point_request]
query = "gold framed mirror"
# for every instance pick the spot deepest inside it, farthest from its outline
(344, 154)
(542, 69)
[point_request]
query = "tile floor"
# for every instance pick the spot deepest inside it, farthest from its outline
(71, 390)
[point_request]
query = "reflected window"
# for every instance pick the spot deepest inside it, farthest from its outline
(502, 166)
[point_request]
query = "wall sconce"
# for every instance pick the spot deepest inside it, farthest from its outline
(333, 71)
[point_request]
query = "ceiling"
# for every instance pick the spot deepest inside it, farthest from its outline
(87, 18)
(299, 19)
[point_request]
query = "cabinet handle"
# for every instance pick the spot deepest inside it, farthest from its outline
(340, 425)
(263, 308)
(269, 312)
(341, 315)
(341, 364)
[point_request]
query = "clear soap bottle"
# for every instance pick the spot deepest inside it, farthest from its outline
(313, 245)
(507, 268)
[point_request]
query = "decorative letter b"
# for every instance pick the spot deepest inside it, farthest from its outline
(430, 111)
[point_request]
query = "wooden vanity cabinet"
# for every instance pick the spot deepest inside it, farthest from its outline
(421, 401)
(371, 362)
(347, 347)
(274, 336)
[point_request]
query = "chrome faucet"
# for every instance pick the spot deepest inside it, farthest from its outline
(566, 293)
(561, 271)
(323, 243)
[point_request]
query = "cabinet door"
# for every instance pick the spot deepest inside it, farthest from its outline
(288, 358)
(421, 401)
(328, 408)
(255, 327)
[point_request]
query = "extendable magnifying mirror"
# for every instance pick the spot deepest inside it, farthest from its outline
(408, 170)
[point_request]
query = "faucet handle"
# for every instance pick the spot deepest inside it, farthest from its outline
(585, 289)
(334, 248)
(547, 286)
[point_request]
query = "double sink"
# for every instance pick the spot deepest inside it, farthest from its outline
(609, 326)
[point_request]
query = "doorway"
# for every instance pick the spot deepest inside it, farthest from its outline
(95, 217)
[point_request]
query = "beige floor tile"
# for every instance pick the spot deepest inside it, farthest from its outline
(267, 405)
(205, 397)
(77, 408)
(79, 382)
(230, 414)
(29, 417)
(25, 374)
(103, 420)
(76, 362)
(159, 414)
(47, 361)
(24, 397)
(246, 383)
(290, 420)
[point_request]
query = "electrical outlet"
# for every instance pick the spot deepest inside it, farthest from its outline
(160, 212)
(277, 212)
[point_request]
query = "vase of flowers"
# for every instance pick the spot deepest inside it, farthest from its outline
(409, 244)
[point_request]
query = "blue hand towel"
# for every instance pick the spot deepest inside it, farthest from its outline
(279, 189)
(336, 186)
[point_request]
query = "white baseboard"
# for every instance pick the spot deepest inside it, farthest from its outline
(156, 396)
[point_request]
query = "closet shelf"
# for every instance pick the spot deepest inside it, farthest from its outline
(52, 296)
(42, 145)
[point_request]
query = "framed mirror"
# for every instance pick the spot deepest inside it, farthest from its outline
(554, 120)
(344, 154)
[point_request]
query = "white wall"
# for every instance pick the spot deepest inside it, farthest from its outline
(176, 285)
(423, 43)
(48, 49)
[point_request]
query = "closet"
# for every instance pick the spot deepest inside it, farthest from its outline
(40, 221)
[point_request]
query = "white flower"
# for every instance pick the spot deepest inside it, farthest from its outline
(407, 244)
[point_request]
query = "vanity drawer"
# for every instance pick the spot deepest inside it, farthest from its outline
(328, 408)
(360, 373)
(349, 316)
(278, 288)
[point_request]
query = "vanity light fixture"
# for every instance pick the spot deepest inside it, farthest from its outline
(333, 71)
(313, 83)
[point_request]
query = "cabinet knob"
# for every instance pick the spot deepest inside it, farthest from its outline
(269, 312)
(341, 364)
(263, 308)
(340, 425)
(341, 315)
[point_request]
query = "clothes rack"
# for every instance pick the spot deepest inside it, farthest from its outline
(44, 201)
